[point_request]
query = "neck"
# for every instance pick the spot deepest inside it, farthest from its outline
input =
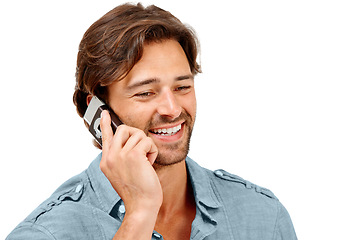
(177, 189)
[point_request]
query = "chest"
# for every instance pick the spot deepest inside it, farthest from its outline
(177, 227)
(175, 230)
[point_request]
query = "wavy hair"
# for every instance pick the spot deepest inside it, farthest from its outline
(114, 44)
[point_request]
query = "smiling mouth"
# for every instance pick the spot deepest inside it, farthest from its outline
(166, 131)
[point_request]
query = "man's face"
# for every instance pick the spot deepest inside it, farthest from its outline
(158, 97)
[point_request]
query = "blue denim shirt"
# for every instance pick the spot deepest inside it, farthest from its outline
(228, 207)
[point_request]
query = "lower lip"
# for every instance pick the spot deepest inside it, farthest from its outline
(170, 138)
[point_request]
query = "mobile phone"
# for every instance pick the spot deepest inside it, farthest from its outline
(93, 116)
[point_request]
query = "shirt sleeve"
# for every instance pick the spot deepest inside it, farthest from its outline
(30, 232)
(284, 229)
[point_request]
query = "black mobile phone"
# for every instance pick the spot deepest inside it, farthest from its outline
(93, 116)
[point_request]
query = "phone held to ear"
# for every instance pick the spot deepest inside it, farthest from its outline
(93, 116)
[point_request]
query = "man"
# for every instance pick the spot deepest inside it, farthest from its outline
(142, 63)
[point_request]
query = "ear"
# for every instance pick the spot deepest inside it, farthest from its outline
(88, 99)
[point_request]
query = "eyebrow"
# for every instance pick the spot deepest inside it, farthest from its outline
(143, 82)
(156, 80)
(184, 77)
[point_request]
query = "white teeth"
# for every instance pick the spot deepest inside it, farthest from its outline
(168, 131)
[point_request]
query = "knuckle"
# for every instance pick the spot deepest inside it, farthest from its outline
(121, 128)
(135, 151)
(133, 154)
(104, 138)
(103, 166)
(123, 154)
(150, 141)
(110, 163)
(140, 134)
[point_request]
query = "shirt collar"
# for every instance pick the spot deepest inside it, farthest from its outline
(201, 184)
(108, 197)
(205, 222)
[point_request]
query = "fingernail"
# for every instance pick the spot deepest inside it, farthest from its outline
(103, 114)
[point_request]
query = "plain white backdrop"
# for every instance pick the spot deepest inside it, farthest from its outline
(273, 101)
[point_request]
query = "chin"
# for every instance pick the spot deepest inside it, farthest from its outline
(172, 155)
(168, 161)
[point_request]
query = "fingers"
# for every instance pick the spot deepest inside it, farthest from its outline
(149, 148)
(133, 140)
(142, 145)
(127, 159)
(136, 142)
(106, 129)
(123, 132)
(126, 139)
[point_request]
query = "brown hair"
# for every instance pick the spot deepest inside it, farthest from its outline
(114, 44)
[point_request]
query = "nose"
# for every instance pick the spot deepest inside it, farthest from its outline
(168, 106)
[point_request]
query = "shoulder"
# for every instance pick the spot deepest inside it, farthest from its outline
(228, 181)
(256, 208)
(238, 195)
(250, 210)
(61, 213)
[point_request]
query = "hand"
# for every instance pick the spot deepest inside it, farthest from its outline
(127, 158)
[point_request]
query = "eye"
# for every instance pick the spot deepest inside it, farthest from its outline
(183, 88)
(144, 94)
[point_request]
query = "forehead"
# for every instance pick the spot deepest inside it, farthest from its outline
(163, 49)
(161, 60)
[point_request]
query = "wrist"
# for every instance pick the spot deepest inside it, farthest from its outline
(143, 212)
(137, 224)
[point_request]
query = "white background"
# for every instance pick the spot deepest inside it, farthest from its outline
(273, 101)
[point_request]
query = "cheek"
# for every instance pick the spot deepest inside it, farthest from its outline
(193, 111)
(139, 117)
(190, 105)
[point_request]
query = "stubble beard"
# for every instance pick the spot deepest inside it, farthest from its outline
(175, 153)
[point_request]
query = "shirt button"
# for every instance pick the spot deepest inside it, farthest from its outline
(122, 209)
(78, 188)
(156, 235)
(219, 173)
